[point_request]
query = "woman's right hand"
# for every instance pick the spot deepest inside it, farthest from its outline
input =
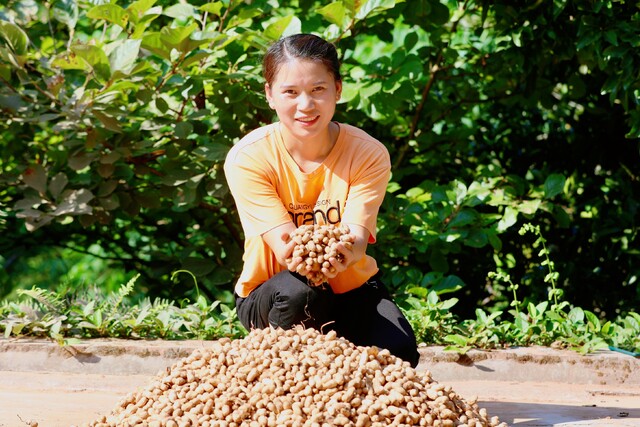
(280, 242)
(290, 261)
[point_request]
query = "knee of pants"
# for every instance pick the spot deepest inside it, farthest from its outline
(294, 299)
(297, 305)
(410, 354)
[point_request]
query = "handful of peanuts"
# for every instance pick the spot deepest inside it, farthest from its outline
(316, 244)
(294, 378)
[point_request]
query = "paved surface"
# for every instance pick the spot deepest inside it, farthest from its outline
(65, 386)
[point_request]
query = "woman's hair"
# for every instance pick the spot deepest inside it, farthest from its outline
(300, 46)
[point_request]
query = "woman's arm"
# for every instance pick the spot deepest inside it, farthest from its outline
(279, 240)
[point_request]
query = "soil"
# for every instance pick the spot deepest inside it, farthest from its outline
(58, 386)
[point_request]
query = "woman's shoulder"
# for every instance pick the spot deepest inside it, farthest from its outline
(360, 139)
(253, 142)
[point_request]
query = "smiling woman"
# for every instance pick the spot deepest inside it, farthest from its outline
(304, 96)
(307, 169)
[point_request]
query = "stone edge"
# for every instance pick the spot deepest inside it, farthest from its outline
(126, 357)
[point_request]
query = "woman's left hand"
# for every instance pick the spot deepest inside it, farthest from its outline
(339, 263)
(349, 251)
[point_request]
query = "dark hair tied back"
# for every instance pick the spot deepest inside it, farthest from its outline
(300, 46)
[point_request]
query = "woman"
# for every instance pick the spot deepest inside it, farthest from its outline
(308, 169)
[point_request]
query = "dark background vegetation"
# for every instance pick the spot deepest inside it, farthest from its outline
(116, 118)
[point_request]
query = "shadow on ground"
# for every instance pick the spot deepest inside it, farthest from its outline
(547, 414)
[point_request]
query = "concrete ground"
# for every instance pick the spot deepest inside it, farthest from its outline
(70, 386)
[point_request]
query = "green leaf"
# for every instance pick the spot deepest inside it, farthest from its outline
(221, 276)
(70, 61)
(161, 104)
(123, 58)
(476, 239)
(370, 89)
(509, 218)
(451, 283)
(180, 11)
(554, 185)
(110, 203)
(107, 121)
(275, 29)
(439, 13)
(213, 8)
(183, 129)
(612, 37)
(154, 43)
(456, 339)
(462, 218)
(110, 13)
(607, 328)
(372, 7)
(432, 298)
(593, 320)
(198, 266)
(410, 40)
(74, 202)
(448, 304)
(15, 37)
(137, 9)
(531, 308)
(494, 240)
(174, 36)
(88, 309)
(194, 57)
(529, 207)
(65, 11)
(11, 102)
(576, 315)
(96, 58)
(213, 151)
(334, 12)
(5, 70)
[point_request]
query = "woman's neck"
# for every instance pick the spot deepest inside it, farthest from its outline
(309, 154)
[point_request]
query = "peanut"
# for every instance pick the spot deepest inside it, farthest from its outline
(316, 245)
(297, 377)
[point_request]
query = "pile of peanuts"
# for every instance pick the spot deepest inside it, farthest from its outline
(297, 377)
(315, 244)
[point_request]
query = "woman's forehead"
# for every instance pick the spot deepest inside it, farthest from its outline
(298, 70)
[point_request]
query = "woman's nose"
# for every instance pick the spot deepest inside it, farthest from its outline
(305, 102)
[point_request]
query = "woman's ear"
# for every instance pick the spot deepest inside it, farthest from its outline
(338, 90)
(267, 92)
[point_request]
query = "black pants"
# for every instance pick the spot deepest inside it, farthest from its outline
(365, 316)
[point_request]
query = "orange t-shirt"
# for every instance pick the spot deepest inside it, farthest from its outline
(270, 190)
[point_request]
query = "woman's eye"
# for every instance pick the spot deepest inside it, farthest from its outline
(318, 89)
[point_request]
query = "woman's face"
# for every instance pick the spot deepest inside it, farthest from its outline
(304, 95)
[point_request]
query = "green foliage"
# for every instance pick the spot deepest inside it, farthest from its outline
(67, 317)
(117, 116)
(94, 314)
(549, 323)
(64, 267)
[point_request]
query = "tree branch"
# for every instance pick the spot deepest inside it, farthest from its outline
(435, 69)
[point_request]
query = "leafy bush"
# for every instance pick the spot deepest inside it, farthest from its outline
(118, 117)
(92, 313)
(553, 322)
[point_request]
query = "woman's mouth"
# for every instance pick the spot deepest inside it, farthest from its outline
(307, 121)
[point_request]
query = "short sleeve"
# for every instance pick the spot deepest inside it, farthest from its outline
(254, 191)
(368, 188)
